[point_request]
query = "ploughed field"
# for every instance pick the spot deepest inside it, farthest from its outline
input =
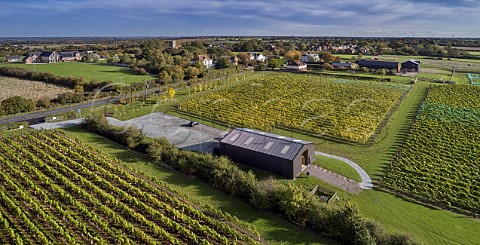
(57, 190)
(440, 160)
(28, 89)
(350, 110)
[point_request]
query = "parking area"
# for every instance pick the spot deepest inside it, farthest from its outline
(176, 130)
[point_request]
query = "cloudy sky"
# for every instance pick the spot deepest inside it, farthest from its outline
(27, 18)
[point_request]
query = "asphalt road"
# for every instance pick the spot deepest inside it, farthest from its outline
(53, 111)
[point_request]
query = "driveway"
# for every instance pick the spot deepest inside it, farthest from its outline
(199, 138)
(55, 125)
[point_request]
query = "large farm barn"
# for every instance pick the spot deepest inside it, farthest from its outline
(270, 152)
(376, 64)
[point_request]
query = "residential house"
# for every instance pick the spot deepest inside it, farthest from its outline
(310, 58)
(269, 152)
(233, 60)
(364, 50)
(13, 58)
(350, 51)
(257, 56)
(411, 66)
(70, 56)
(296, 65)
(207, 62)
(376, 64)
(49, 57)
(32, 57)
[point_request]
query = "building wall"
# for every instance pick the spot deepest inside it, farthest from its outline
(280, 166)
(297, 161)
(410, 67)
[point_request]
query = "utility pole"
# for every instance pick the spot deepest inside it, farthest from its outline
(121, 80)
(146, 88)
(453, 72)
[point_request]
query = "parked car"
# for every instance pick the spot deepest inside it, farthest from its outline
(193, 123)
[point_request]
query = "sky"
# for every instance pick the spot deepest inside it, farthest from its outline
(372, 18)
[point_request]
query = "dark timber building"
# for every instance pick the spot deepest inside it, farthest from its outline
(273, 153)
(411, 66)
(376, 64)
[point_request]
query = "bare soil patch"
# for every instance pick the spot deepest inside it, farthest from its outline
(28, 89)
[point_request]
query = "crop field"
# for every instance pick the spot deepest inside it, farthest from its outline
(439, 162)
(339, 108)
(89, 71)
(28, 89)
(57, 190)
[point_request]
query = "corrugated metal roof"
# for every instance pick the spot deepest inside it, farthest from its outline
(377, 63)
(270, 144)
(416, 62)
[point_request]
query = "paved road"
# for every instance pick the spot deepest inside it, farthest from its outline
(53, 111)
(366, 180)
(40, 114)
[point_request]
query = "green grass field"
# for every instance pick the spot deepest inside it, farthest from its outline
(89, 71)
(476, 53)
(337, 166)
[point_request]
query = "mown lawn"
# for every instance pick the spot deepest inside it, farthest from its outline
(89, 71)
(338, 167)
(272, 227)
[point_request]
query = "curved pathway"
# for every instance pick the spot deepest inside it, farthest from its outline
(366, 180)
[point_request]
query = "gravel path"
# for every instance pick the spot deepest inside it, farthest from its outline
(333, 178)
(199, 138)
(366, 180)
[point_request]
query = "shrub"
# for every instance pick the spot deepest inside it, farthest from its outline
(139, 71)
(264, 195)
(69, 97)
(133, 137)
(16, 104)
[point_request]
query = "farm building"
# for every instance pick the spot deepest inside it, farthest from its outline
(344, 65)
(273, 153)
(296, 65)
(411, 66)
(376, 64)
(13, 58)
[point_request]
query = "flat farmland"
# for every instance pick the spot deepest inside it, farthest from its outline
(89, 71)
(28, 89)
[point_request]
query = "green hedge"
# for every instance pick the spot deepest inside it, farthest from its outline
(341, 222)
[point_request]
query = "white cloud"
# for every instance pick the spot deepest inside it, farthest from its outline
(281, 17)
